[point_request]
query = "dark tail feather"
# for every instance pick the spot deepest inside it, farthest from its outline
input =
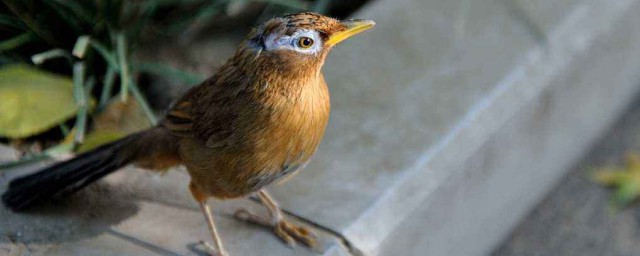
(67, 177)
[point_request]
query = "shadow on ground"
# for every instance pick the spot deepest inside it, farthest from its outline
(87, 213)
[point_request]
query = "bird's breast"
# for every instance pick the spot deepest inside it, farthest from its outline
(273, 137)
(291, 134)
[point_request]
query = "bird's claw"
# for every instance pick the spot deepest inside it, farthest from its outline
(289, 232)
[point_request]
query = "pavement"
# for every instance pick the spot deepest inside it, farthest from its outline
(450, 120)
(575, 218)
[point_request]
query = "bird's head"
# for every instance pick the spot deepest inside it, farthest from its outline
(300, 42)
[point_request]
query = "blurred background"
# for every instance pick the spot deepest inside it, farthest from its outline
(489, 127)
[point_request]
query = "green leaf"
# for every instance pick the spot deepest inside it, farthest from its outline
(107, 87)
(105, 53)
(624, 180)
(73, 23)
(80, 97)
(97, 139)
(50, 54)
(10, 21)
(16, 41)
(76, 8)
(143, 102)
(33, 101)
(627, 192)
(123, 66)
(609, 177)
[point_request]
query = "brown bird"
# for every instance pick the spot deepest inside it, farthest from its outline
(258, 120)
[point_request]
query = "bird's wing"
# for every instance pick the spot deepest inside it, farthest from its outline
(179, 118)
(208, 112)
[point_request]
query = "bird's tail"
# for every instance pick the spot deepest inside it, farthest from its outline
(69, 176)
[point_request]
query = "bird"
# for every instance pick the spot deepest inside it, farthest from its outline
(256, 121)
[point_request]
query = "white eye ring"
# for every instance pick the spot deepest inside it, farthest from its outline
(302, 41)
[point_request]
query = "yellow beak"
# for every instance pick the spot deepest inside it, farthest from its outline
(353, 27)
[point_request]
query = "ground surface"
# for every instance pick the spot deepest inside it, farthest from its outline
(449, 121)
(574, 219)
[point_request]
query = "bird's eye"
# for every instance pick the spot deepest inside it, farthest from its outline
(305, 42)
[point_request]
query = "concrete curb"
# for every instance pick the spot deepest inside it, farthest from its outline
(575, 37)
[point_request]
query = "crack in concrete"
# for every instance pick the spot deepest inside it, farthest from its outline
(149, 246)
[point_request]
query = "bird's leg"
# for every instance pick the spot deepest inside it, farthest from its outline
(216, 249)
(286, 230)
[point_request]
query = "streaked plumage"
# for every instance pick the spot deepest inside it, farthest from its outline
(259, 119)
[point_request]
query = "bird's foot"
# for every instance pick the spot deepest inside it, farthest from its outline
(212, 250)
(289, 232)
